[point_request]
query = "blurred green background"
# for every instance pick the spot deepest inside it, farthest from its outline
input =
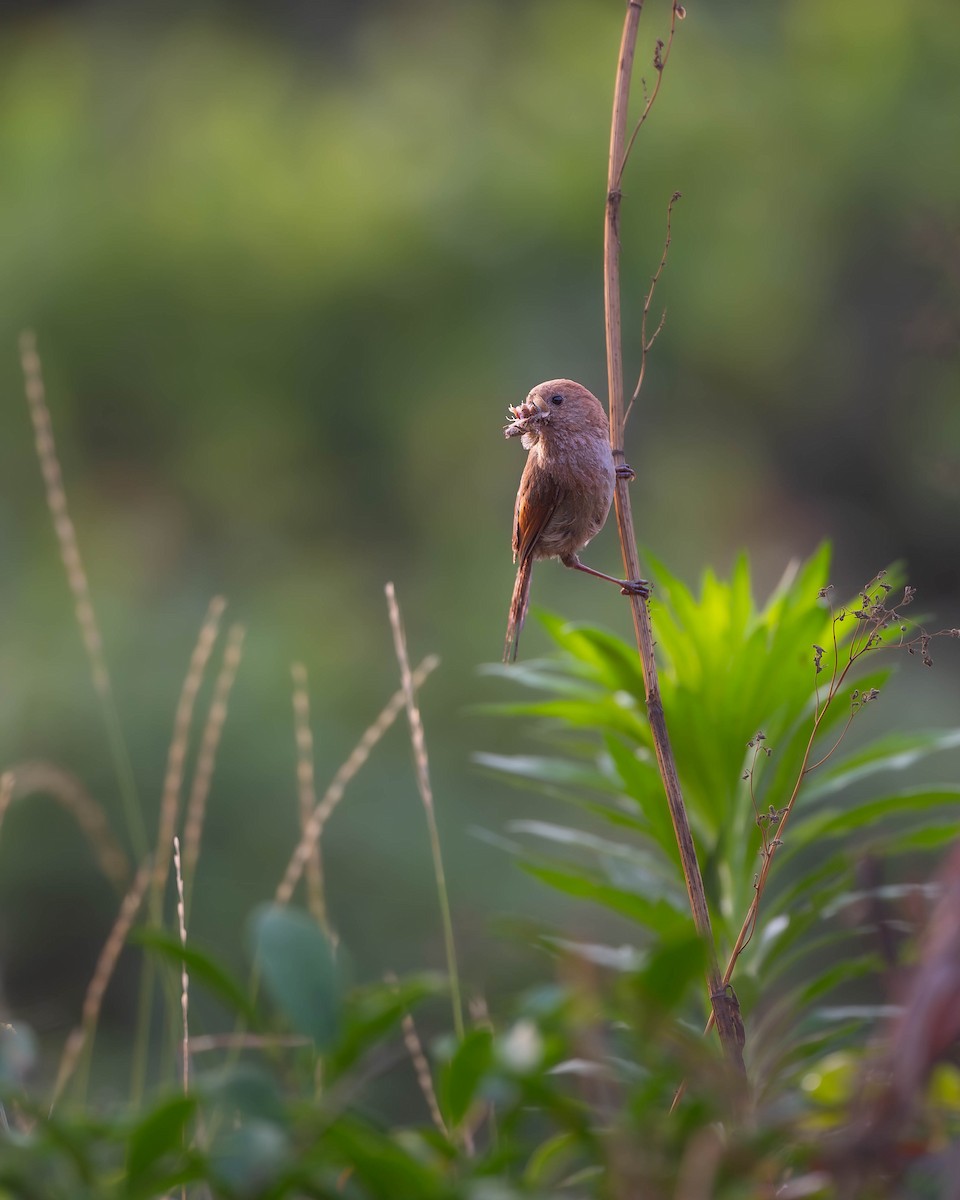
(287, 265)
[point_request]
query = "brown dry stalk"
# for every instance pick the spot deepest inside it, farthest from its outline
(177, 754)
(26, 778)
(102, 974)
(62, 523)
(7, 782)
(77, 582)
(207, 754)
(184, 974)
(411, 1039)
(207, 1042)
(334, 794)
(307, 791)
(426, 795)
(722, 1004)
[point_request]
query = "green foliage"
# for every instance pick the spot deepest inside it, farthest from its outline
(599, 1084)
(298, 968)
(759, 702)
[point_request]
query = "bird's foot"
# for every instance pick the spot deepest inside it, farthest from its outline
(636, 587)
(626, 472)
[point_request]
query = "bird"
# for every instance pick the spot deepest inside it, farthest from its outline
(566, 488)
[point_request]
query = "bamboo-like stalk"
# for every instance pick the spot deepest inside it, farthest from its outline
(723, 1004)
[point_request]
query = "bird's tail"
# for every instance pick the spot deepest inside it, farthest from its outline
(518, 608)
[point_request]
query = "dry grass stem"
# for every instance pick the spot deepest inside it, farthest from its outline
(207, 754)
(62, 522)
(307, 791)
(77, 581)
(102, 974)
(27, 778)
(177, 754)
(411, 1039)
(722, 1003)
(247, 1041)
(426, 795)
(7, 781)
(184, 975)
(334, 794)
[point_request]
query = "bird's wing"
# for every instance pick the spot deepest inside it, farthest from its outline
(537, 501)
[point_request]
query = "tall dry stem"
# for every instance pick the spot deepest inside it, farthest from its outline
(66, 535)
(207, 756)
(422, 764)
(313, 831)
(184, 974)
(307, 792)
(177, 753)
(82, 1036)
(27, 778)
(722, 1003)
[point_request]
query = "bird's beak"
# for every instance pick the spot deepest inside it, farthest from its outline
(521, 414)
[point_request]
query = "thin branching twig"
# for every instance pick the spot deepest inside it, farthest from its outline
(874, 617)
(647, 341)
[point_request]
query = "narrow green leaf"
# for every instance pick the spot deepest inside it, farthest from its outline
(465, 1071)
(670, 970)
(372, 1012)
(660, 915)
(160, 1133)
(542, 769)
(894, 752)
(551, 1160)
(202, 968)
(833, 821)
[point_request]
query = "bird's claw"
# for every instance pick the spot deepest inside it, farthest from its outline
(636, 587)
(626, 472)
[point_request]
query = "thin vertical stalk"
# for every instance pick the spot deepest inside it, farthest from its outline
(723, 1005)
(426, 795)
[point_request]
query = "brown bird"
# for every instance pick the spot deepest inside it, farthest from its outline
(566, 488)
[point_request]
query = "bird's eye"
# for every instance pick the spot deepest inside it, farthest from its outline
(556, 398)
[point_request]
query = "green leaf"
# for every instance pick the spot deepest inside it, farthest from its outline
(161, 1132)
(670, 970)
(466, 1070)
(542, 769)
(243, 1089)
(202, 968)
(247, 1159)
(551, 1160)
(383, 1168)
(375, 1010)
(299, 971)
(660, 915)
(833, 821)
(622, 862)
(894, 752)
